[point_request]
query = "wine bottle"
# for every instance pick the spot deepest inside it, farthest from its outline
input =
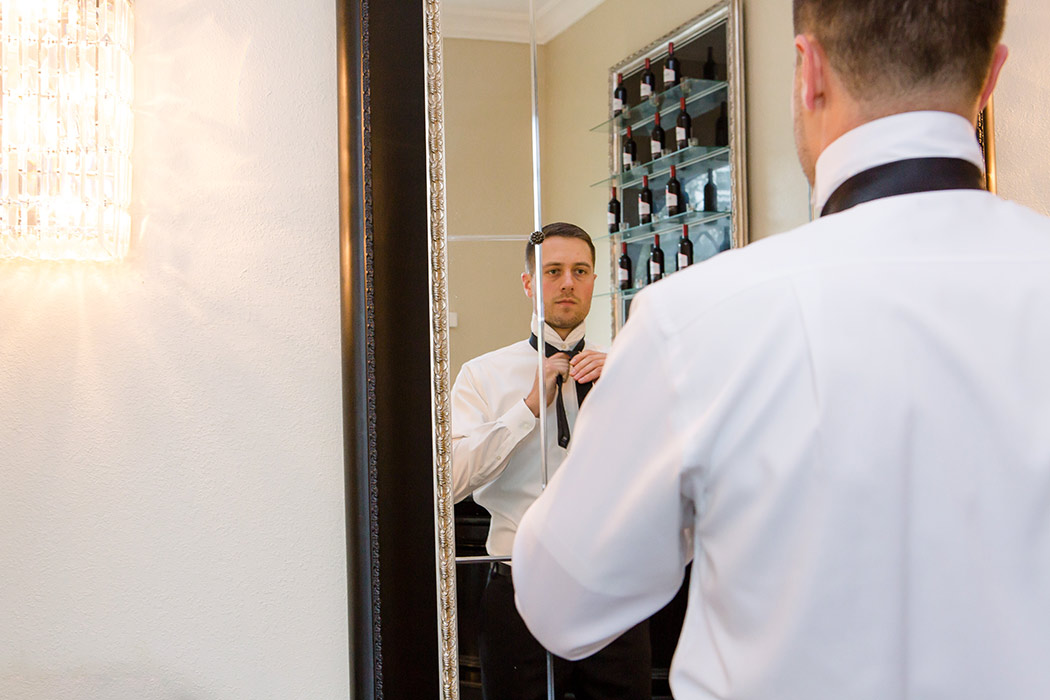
(710, 67)
(645, 203)
(655, 269)
(630, 151)
(614, 213)
(722, 127)
(625, 268)
(672, 69)
(710, 193)
(619, 96)
(685, 250)
(673, 194)
(684, 126)
(656, 138)
(648, 86)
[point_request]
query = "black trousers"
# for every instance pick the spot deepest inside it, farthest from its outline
(514, 664)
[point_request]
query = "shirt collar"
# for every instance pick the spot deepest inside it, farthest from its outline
(551, 336)
(888, 140)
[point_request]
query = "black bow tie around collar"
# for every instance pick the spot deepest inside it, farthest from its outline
(581, 389)
(905, 177)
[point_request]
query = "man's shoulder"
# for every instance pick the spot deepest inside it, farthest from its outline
(727, 275)
(499, 357)
(946, 226)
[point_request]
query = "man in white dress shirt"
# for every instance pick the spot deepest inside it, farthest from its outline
(846, 427)
(496, 457)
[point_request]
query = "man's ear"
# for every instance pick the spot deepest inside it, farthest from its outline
(998, 59)
(811, 64)
(526, 283)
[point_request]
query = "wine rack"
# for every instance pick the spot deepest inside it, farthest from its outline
(710, 87)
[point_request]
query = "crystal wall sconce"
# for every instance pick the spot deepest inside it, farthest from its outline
(66, 86)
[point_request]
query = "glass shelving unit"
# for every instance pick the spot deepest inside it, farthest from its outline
(671, 224)
(714, 154)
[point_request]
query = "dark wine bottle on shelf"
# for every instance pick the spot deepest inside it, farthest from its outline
(722, 127)
(619, 96)
(648, 86)
(645, 203)
(672, 69)
(655, 269)
(683, 126)
(710, 67)
(656, 138)
(614, 213)
(710, 193)
(625, 268)
(673, 193)
(685, 250)
(630, 151)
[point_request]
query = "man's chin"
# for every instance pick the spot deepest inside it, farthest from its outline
(565, 322)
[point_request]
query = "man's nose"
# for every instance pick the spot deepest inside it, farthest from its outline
(566, 280)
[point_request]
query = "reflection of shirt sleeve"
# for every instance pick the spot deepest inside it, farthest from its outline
(607, 543)
(481, 441)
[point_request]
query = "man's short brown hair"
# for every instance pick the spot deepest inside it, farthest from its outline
(562, 230)
(885, 48)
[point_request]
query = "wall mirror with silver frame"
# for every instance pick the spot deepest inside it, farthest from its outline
(531, 138)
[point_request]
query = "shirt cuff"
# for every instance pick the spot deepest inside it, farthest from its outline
(519, 420)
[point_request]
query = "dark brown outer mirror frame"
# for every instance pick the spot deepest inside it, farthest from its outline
(384, 206)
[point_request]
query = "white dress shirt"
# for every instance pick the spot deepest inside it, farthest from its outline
(496, 437)
(847, 429)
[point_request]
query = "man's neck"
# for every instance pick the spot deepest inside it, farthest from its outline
(853, 115)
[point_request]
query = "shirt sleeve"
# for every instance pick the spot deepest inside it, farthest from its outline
(606, 545)
(482, 442)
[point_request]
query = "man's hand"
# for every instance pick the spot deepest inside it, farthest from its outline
(553, 366)
(587, 366)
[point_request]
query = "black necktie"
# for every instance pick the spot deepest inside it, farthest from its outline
(581, 389)
(905, 177)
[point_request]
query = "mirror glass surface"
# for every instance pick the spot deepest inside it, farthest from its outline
(489, 188)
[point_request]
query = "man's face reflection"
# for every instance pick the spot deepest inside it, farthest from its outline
(568, 282)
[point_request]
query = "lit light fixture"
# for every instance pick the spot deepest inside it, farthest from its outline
(65, 128)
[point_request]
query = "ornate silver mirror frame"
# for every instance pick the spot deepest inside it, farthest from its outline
(444, 519)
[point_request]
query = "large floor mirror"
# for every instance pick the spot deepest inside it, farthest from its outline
(465, 126)
(645, 151)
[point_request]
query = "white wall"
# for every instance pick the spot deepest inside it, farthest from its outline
(171, 520)
(1022, 107)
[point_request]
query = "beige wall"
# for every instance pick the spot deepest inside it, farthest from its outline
(1022, 104)
(574, 97)
(488, 136)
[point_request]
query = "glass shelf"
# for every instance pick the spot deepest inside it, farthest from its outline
(701, 95)
(707, 243)
(711, 156)
(671, 224)
(625, 294)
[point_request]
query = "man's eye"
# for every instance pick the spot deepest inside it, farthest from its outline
(552, 273)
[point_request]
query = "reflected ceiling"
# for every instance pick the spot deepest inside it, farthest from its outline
(508, 20)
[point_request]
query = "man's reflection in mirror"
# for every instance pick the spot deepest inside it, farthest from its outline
(496, 457)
